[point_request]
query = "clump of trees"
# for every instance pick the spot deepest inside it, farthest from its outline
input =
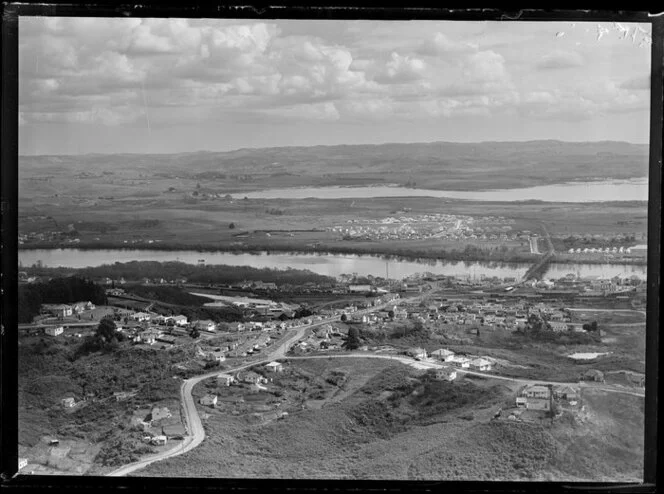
(57, 291)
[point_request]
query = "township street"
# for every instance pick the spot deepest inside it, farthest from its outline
(196, 432)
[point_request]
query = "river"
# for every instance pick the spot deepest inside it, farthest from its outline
(324, 264)
(597, 191)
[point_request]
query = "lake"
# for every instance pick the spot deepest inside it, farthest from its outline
(324, 264)
(597, 191)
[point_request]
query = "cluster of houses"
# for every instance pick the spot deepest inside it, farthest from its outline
(541, 397)
(482, 364)
(635, 251)
(447, 226)
(255, 381)
(66, 310)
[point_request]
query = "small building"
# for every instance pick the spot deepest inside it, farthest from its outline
(141, 316)
(593, 375)
(225, 379)
(536, 391)
(123, 395)
(446, 374)
(68, 402)
(206, 325)
(481, 364)
(58, 310)
(275, 366)
(417, 353)
(149, 337)
(215, 356)
(558, 327)
(209, 400)
(459, 360)
(179, 320)
(253, 378)
(359, 288)
(54, 330)
(159, 440)
(443, 354)
(566, 393)
(22, 463)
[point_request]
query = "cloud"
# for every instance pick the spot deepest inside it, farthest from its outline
(442, 45)
(401, 69)
(561, 60)
(636, 84)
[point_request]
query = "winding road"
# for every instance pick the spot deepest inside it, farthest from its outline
(196, 432)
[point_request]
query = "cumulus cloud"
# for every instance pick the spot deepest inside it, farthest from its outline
(440, 44)
(561, 60)
(401, 69)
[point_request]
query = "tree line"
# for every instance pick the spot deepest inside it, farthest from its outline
(57, 291)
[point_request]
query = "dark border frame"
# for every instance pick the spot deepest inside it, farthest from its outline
(329, 10)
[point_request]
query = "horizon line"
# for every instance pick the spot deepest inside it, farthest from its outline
(339, 145)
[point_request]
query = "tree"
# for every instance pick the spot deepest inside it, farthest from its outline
(353, 340)
(344, 317)
(231, 226)
(390, 314)
(195, 333)
(106, 329)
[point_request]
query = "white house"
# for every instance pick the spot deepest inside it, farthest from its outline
(417, 353)
(463, 362)
(481, 364)
(68, 402)
(159, 440)
(215, 356)
(557, 326)
(179, 320)
(446, 373)
(206, 325)
(225, 379)
(209, 400)
(140, 316)
(22, 463)
(275, 366)
(54, 330)
(149, 336)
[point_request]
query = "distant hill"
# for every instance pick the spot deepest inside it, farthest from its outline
(442, 165)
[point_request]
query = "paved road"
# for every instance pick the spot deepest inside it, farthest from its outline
(196, 432)
(428, 364)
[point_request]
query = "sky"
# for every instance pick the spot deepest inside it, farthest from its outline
(129, 85)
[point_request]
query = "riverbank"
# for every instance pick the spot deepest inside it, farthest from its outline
(382, 252)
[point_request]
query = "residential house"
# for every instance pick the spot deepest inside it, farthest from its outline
(593, 375)
(442, 354)
(206, 325)
(215, 356)
(253, 378)
(179, 320)
(460, 361)
(159, 440)
(225, 380)
(209, 400)
(446, 373)
(68, 402)
(141, 316)
(417, 353)
(149, 336)
(558, 327)
(54, 330)
(566, 393)
(166, 339)
(536, 391)
(275, 367)
(58, 310)
(481, 364)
